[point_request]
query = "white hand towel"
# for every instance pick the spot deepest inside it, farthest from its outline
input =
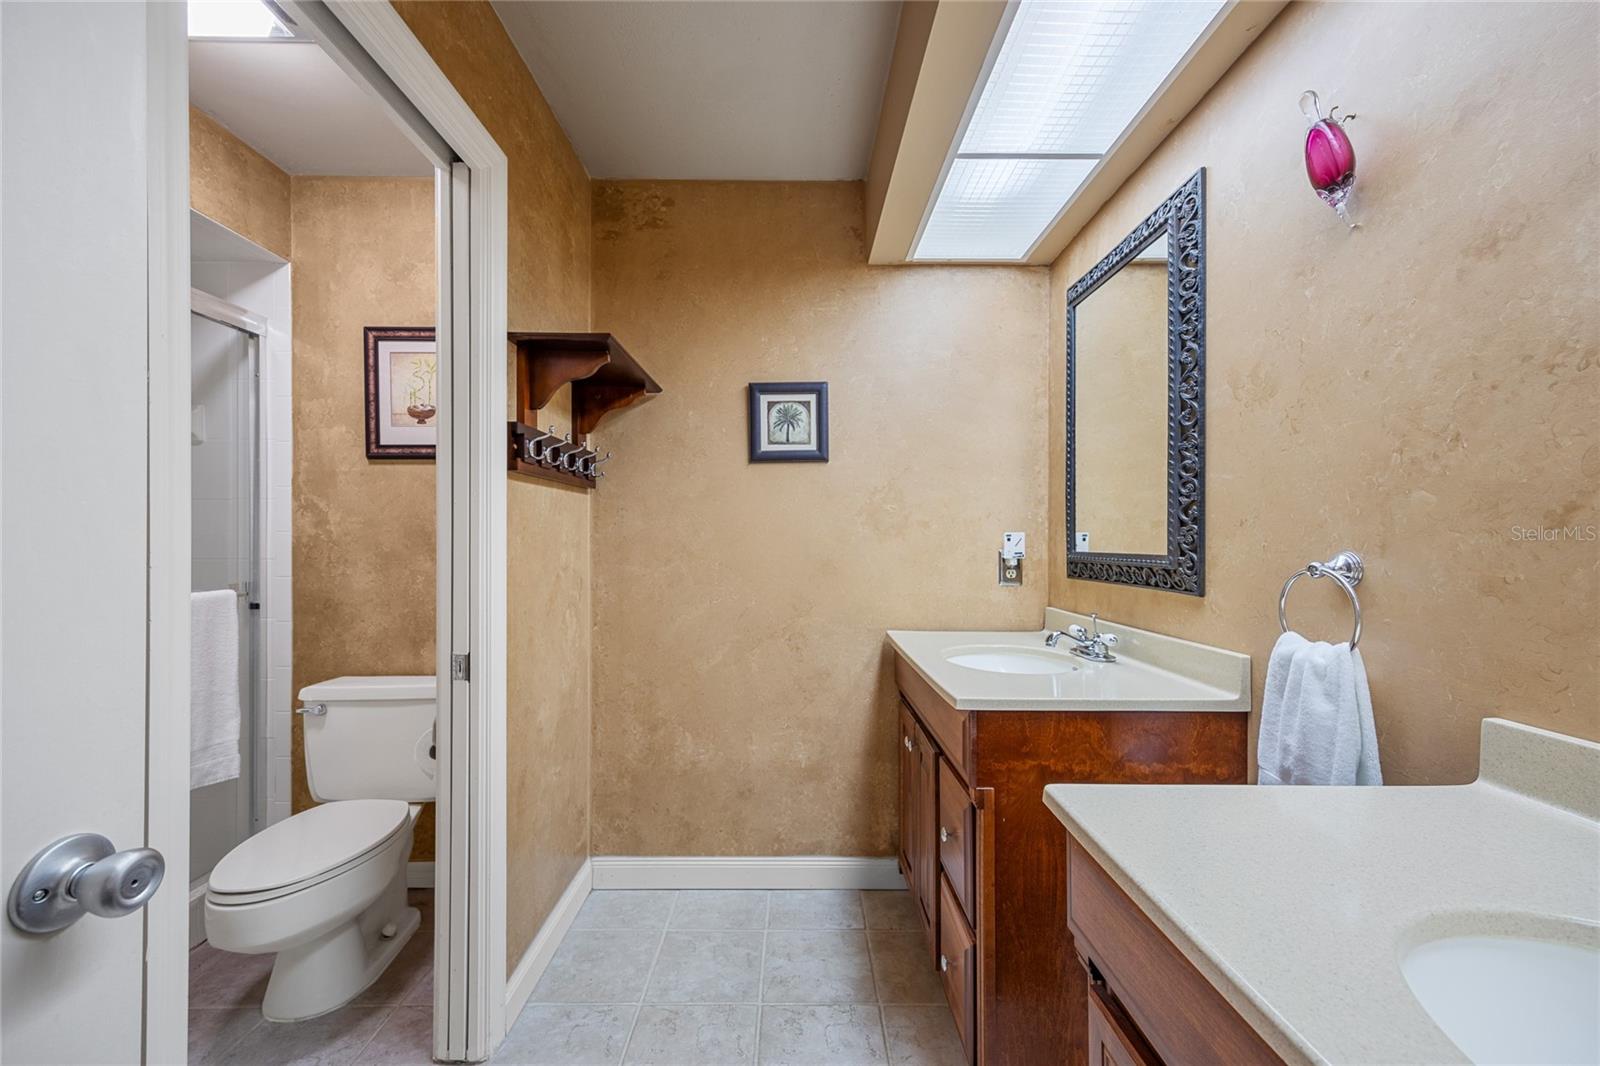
(1316, 717)
(213, 687)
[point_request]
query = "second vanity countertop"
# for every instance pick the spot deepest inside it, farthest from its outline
(1153, 672)
(1298, 904)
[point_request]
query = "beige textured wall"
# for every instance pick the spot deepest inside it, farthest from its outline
(1122, 412)
(232, 183)
(1414, 390)
(743, 696)
(548, 571)
(363, 255)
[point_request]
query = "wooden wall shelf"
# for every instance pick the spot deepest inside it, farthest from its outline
(604, 377)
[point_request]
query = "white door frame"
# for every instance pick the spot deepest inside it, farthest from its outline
(374, 45)
(166, 971)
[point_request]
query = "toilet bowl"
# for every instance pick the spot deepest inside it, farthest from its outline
(325, 889)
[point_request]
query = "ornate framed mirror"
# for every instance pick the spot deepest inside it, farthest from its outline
(1136, 353)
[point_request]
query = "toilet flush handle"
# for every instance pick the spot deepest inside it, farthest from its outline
(313, 710)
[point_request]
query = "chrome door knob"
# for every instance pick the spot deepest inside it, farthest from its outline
(907, 742)
(944, 964)
(82, 874)
(944, 835)
(120, 883)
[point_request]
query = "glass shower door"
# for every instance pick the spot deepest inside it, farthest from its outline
(224, 481)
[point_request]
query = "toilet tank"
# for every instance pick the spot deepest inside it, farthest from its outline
(370, 738)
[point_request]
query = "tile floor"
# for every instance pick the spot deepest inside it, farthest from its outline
(708, 978)
(391, 1022)
(699, 978)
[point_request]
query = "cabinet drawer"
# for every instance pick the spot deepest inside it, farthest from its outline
(1113, 1041)
(958, 966)
(956, 819)
(1171, 1005)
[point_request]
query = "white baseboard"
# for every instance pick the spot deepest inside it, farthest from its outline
(197, 913)
(519, 986)
(419, 875)
(738, 871)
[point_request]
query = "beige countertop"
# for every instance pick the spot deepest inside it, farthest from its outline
(1298, 903)
(1153, 672)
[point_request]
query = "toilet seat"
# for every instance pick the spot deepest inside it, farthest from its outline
(306, 849)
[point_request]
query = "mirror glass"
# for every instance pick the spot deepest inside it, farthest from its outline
(1120, 409)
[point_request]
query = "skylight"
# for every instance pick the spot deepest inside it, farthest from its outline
(1070, 78)
(233, 19)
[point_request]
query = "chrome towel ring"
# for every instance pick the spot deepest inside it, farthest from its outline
(1346, 570)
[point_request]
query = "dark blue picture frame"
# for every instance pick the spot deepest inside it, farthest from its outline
(819, 454)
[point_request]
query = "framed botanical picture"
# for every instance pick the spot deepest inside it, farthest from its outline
(788, 421)
(402, 392)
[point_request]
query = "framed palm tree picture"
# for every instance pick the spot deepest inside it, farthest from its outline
(788, 421)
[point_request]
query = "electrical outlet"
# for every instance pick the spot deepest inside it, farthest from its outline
(1010, 570)
(1081, 541)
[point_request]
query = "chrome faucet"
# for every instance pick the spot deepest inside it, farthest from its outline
(1095, 646)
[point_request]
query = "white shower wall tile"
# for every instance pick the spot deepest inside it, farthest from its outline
(280, 464)
(280, 549)
(278, 785)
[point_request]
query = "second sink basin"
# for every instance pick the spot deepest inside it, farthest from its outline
(1513, 998)
(1000, 659)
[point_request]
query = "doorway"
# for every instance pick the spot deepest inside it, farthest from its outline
(314, 431)
(462, 992)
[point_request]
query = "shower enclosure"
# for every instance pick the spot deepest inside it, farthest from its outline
(225, 436)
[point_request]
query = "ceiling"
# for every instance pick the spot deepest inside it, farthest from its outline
(291, 103)
(709, 89)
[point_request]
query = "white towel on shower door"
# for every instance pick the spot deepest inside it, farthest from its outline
(213, 687)
(1316, 717)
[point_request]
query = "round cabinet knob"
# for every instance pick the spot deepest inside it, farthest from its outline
(119, 884)
(944, 964)
(944, 835)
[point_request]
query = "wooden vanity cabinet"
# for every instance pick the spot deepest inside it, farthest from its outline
(982, 854)
(1145, 1003)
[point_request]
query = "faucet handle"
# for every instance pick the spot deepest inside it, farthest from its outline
(1077, 632)
(1107, 638)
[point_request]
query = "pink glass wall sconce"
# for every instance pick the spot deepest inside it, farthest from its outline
(1330, 158)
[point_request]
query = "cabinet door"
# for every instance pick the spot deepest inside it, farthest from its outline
(909, 770)
(927, 827)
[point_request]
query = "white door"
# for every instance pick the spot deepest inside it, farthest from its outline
(87, 627)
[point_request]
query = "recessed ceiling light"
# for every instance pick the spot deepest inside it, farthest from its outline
(1070, 77)
(248, 19)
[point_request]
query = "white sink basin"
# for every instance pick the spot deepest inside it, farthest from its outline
(1510, 998)
(1004, 660)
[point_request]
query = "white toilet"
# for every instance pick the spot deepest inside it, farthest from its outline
(326, 888)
